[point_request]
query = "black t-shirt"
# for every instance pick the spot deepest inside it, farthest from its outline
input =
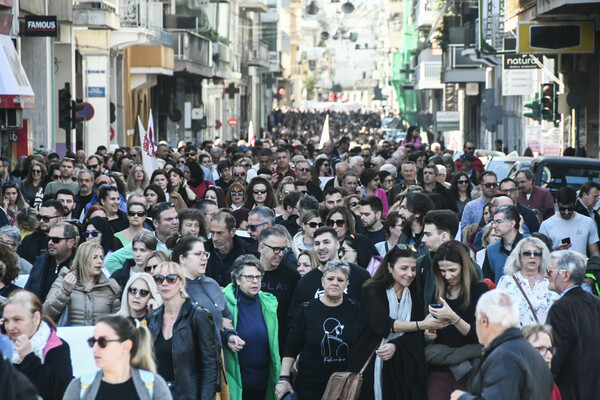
(117, 391)
(377, 236)
(119, 224)
(281, 282)
(163, 349)
(322, 336)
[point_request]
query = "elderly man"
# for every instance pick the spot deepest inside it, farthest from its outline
(357, 165)
(575, 321)
(341, 169)
(409, 178)
(511, 368)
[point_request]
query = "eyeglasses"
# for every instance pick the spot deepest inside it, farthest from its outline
(171, 278)
(239, 174)
(136, 213)
(339, 223)
(252, 278)
(237, 192)
(259, 191)
(94, 166)
(182, 162)
(102, 341)
(303, 169)
(304, 191)
(315, 224)
(490, 185)
(55, 177)
(536, 254)
(107, 187)
(325, 165)
(246, 165)
(253, 227)
(192, 154)
(353, 204)
(544, 350)
(201, 253)
(36, 171)
(135, 292)
(550, 271)
(565, 208)
(149, 268)
(401, 246)
(276, 250)
(87, 234)
(56, 239)
(46, 218)
(465, 182)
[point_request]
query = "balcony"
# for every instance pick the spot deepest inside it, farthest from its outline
(221, 55)
(96, 14)
(141, 14)
(253, 5)
(573, 8)
(457, 68)
(428, 75)
(424, 14)
(256, 54)
(192, 54)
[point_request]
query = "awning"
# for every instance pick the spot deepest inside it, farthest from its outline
(15, 90)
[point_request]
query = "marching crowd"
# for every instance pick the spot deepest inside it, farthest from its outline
(239, 272)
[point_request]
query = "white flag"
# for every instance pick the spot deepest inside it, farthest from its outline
(148, 147)
(251, 136)
(325, 134)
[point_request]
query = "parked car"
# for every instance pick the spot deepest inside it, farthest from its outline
(507, 166)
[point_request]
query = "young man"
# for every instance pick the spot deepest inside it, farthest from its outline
(67, 199)
(51, 212)
(412, 210)
(431, 185)
(588, 197)
(67, 167)
(371, 209)
(473, 210)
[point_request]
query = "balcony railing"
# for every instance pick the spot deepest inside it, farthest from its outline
(96, 14)
(254, 5)
(428, 75)
(191, 47)
(257, 53)
(141, 14)
(424, 14)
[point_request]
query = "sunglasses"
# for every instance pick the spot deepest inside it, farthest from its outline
(182, 162)
(246, 165)
(253, 227)
(149, 268)
(304, 169)
(315, 224)
(107, 187)
(401, 246)
(46, 218)
(339, 223)
(237, 192)
(239, 174)
(171, 278)
(141, 292)
(87, 234)
(261, 191)
(102, 341)
(536, 254)
(93, 166)
(490, 185)
(565, 208)
(55, 176)
(191, 154)
(36, 171)
(353, 204)
(463, 182)
(56, 239)
(136, 213)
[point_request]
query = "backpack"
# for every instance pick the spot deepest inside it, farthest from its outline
(147, 378)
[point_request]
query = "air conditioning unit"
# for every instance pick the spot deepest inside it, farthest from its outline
(11, 119)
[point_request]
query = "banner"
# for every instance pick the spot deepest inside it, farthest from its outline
(325, 134)
(148, 146)
(251, 135)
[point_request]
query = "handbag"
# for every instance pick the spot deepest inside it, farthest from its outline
(63, 320)
(527, 300)
(345, 385)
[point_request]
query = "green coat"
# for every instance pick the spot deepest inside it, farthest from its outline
(268, 303)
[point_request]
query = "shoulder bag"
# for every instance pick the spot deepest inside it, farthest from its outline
(527, 300)
(346, 385)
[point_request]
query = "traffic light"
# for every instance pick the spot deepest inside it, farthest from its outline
(75, 117)
(549, 102)
(536, 108)
(64, 107)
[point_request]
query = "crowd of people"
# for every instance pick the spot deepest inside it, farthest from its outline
(254, 272)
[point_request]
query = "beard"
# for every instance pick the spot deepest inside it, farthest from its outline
(407, 222)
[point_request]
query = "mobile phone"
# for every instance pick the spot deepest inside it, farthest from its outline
(566, 240)
(436, 305)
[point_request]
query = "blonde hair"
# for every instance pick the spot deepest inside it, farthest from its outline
(170, 267)
(125, 310)
(83, 256)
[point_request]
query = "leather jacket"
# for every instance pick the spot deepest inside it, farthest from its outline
(195, 351)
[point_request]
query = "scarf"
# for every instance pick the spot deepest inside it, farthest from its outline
(38, 343)
(400, 310)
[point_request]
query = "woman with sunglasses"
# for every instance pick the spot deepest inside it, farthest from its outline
(252, 359)
(154, 195)
(123, 352)
(525, 279)
(217, 195)
(342, 220)
(370, 181)
(457, 290)
(179, 185)
(182, 332)
(311, 221)
(37, 350)
(140, 296)
(161, 178)
(137, 180)
(97, 230)
(322, 166)
(540, 337)
(351, 202)
(285, 187)
(387, 181)
(83, 292)
(142, 245)
(34, 181)
(235, 196)
(154, 258)
(12, 200)
(461, 190)
(260, 193)
(136, 215)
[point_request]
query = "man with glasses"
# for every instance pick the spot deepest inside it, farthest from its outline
(467, 161)
(239, 174)
(532, 196)
(225, 246)
(506, 221)
(279, 279)
(67, 168)
(431, 185)
(94, 164)
(35, 244)
(469, 149)
(303, 174)
(136, 154)
(62, 239)
(575, 321)
(473, 210)
(568, 229)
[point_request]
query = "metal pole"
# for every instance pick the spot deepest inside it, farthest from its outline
(577, 131)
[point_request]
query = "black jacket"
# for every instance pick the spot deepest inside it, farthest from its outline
(43, 274)
(511, 368)
(122, 274)
(575, 321)
(195, 351)
(220, 269)
(33, 245)
(53, 376)
(14, 384)
(581, 209)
